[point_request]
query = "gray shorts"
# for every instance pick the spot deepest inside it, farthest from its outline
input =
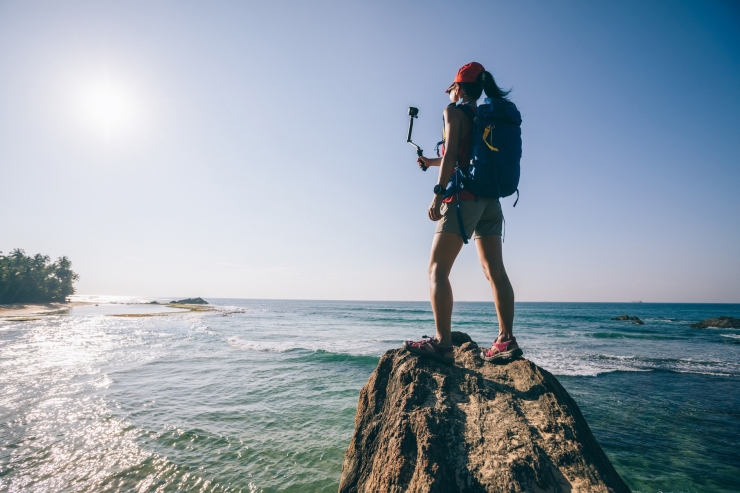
(481, 217)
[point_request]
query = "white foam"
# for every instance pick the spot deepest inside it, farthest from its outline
(244, 344)
(596, 364)
(229, 309)
(367, 347)
(108, 299)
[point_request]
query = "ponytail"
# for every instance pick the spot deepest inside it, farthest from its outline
(484, 82)
(490, 87)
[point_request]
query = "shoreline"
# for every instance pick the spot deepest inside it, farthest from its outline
(21, 310)
(183, 308)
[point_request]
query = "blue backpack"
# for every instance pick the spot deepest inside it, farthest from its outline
(496, 150)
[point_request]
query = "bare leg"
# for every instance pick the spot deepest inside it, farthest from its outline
(445, 248)
(490, 253)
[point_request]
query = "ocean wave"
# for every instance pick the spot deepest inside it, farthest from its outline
(225, 310)
(623, 335)
(427, 311)
(265, 346)
(664, 361)
(305, 353)
(596, 364)
(581, 368)
(695, 372)
(330, 357)
(355, 348)
(232, 308)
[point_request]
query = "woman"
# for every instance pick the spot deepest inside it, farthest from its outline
(480, 215)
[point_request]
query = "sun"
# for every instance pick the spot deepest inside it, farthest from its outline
(107, 105)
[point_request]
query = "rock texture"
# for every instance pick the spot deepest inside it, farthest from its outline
(629, 319)
(422, 426)
(719, 322)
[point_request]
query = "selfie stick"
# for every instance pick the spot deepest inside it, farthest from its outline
(413, 112)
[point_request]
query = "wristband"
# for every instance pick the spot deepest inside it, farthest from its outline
(439, 190)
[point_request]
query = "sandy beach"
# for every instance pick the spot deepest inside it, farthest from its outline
(25, 310)
(20, 312)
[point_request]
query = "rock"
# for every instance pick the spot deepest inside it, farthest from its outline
(191, 301)
(632, 319)
(153, 303)
(422, 426)
(719, 322)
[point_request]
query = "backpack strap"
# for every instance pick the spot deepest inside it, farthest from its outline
(473, 118)
(470, 114)
(460, 221)
(458, 186)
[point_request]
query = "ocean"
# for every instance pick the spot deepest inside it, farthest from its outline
(260, 395)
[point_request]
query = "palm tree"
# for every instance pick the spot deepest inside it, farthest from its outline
(35, 279)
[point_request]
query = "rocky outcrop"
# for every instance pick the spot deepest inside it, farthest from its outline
(191, 301)
(629, 319)
(719, 323)
(422, 426)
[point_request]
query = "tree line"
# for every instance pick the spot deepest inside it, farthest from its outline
(35, 279)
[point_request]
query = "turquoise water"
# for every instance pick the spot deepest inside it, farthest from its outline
(261, 395)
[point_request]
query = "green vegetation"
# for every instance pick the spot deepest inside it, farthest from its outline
(26, 279)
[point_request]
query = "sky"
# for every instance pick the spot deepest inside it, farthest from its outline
(257, 149)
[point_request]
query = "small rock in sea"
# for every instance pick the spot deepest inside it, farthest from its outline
(153, 303)
(191, 301)
(630, 319)
(472, 426)
(719, 323)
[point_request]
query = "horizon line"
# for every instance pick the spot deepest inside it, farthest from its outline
(636, 302)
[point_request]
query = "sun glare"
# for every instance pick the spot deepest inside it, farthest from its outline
(108, 106)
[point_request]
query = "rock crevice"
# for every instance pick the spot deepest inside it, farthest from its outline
(422, 426)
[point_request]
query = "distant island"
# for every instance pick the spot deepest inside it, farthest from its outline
(35, 279)
(190, 301)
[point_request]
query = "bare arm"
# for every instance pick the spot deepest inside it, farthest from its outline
(427, 161)
(452, 143)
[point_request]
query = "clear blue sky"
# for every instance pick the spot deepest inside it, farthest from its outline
(257, 150)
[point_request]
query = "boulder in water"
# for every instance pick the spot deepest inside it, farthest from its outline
(630, 319)
(423, 426)
(719, 323)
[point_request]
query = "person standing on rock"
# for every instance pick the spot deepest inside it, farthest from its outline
(458, 210)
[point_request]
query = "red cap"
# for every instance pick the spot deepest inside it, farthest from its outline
(467, 73)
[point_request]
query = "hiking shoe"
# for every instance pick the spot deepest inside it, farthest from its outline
(502, 351)
(430, 348)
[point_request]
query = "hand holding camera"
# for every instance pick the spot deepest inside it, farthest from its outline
(413, 113)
